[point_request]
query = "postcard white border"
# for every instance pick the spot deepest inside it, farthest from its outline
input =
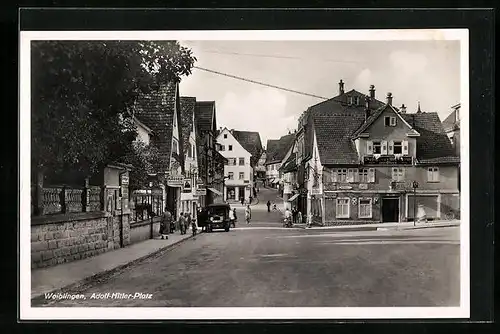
(194, 313)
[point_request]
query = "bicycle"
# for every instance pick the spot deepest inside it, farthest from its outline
(450, 215)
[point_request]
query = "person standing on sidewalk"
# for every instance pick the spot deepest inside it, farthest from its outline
(166, 219)
(299, 217)
(268, 206)
(248, 214)
(232, 217)
(187, 221)
(242, 199)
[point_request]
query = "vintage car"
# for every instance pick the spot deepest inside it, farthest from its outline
(215, 216)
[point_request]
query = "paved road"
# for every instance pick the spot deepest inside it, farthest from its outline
(282, 267)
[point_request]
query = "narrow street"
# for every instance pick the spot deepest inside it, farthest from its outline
(257, 267)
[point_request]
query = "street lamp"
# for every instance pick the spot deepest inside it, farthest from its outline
(150, 210)
(415, 186)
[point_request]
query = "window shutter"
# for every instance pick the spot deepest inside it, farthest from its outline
(429, 174)
(403, 174)
(350, 176)
(334, 176)
(371, 175)
(369, 147)
(356, 175)
(405, 147)
(384, 147)
(391, 147)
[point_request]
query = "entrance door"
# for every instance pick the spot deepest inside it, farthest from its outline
(390, 210)
(242, 193)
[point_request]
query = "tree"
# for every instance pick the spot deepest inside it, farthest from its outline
(82, 91)
(143, 157)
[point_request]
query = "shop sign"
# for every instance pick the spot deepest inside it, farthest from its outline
(345, 187)
(388, 160)
(124, 179)
(187, 186)
(316, 191)
(175, 180)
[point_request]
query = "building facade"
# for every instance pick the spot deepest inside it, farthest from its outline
(238, 170)
(365, 162)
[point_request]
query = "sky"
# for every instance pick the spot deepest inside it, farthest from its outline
(413, 71)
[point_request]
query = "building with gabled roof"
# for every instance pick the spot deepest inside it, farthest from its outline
(276, 151)
(160, 111)
(238, 148)
(451, 126)
(363, 163)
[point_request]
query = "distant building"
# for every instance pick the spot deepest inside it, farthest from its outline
(276, 151)
(451, 126)
(242, 149)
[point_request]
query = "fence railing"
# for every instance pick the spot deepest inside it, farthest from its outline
(64, 199)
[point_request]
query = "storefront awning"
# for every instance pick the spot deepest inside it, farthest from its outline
(293, 197)
(275, 181)
(215, 191)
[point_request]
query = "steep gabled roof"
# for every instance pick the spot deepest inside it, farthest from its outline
(156, 111)
(337, 104)
(250, 140)
(279, 148)
(373, 117)
(271, 148)
(433, 145)
(333, 131)
(450, 123)
(205, 114)
(187, 111)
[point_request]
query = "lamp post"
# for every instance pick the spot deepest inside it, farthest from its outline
(415, 186)
(150, 190)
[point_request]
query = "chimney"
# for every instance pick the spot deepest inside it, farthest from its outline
(403, 109)
(372, 91)
(418, 109)
(367, 107)
(341, 87)
(389, 98)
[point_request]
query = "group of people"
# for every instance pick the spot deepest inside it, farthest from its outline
(167, 223)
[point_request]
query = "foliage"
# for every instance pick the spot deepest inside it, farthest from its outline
(143, 157)
(82, 91)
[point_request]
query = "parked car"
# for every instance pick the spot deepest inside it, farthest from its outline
(216, 216)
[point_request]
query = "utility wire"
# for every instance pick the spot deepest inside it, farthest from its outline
(260, 83)
(279, 56)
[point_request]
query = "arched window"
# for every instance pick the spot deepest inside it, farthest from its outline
(189, 150)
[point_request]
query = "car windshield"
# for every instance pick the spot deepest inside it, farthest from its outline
(217, 211)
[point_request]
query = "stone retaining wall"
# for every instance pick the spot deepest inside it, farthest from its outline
(64, 238)
(141, 230)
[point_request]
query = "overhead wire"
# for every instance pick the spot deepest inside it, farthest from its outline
(259, 83)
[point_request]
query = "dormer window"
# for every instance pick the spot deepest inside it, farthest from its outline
(390, 121)
(225, 136)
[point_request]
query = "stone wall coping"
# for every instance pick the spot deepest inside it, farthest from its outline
(67, 217)
(144, 222)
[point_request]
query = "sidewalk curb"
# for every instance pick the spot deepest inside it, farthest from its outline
(399, 228)
(99, 276)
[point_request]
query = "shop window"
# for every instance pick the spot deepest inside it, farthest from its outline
(230, 175)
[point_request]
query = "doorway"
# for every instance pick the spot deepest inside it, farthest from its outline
(390, 210)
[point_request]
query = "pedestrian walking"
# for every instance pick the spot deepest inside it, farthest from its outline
(187, 222)
(194, 227)
(180, 222)
(268, 206)
(248, 214)
(250, 200)
(242, 200)
(166, 219)
(232, 217)
(299, 217)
